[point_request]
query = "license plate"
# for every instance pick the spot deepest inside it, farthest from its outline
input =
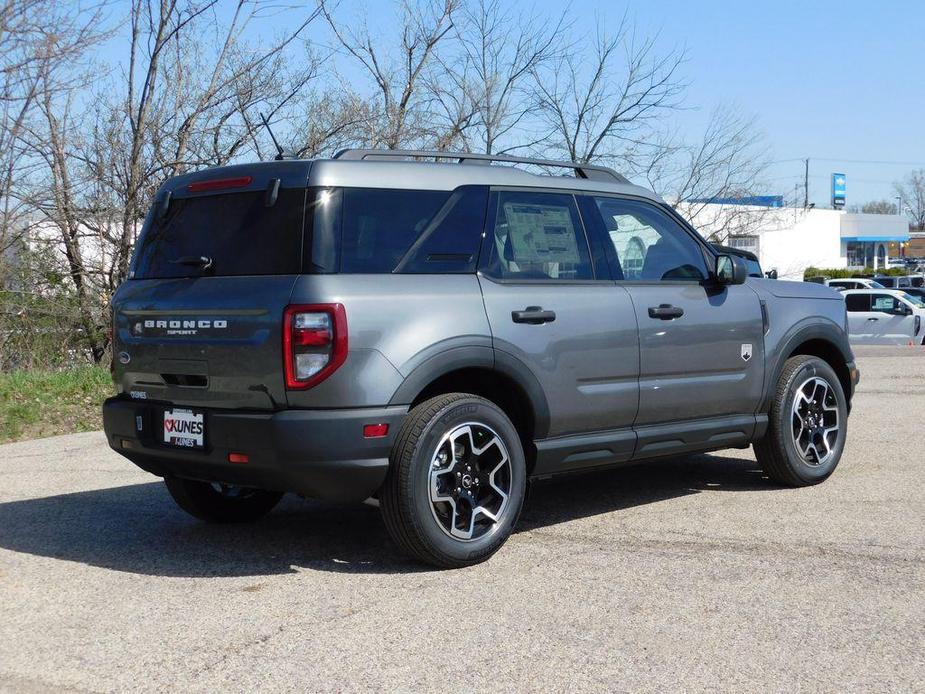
(184, 428)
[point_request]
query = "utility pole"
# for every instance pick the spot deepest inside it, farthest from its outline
(806, 184)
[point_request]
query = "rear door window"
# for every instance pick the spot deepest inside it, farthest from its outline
(537, 236)
(236, 232)
(857, 302)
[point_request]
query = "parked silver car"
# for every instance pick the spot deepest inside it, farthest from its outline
(884, 316)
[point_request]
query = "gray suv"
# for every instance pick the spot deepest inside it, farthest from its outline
(433, 330)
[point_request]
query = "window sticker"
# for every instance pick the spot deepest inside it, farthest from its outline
(542, 233)
(883, 303)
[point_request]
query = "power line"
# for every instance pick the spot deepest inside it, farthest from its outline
(873, 161)
(881, 162)
(825, 177)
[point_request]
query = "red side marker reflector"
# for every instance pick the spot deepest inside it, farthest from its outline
(375, 431)
(238, 458)
(219, 184)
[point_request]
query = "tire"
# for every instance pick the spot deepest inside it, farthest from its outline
(796, 450)
(449, 459)
(230, 505)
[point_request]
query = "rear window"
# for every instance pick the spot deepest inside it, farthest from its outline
(236, 232)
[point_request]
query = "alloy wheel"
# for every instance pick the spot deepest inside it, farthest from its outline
(815, 421)
(470, 481)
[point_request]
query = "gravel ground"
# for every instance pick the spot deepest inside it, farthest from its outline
(688, 574)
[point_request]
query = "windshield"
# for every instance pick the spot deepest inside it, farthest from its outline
(914, 300)
(876, 285)
(754, 268)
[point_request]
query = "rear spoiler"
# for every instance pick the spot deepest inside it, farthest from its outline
(267, 176)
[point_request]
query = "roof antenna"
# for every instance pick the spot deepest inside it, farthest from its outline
(280, 154)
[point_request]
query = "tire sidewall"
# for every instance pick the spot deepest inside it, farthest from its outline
(461, 412)
(806, 472)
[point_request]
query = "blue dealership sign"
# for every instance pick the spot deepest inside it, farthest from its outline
(839, 186)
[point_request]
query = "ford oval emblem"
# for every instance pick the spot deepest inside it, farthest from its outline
(124, 357)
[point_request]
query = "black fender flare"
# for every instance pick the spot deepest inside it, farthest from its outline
(807, 329)
(481, 357)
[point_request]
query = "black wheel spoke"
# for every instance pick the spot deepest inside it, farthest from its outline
(470, 481)
(815, 424)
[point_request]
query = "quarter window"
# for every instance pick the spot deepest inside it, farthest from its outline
(649, 244)
(378, 230)
(537, 236)
(379, 226)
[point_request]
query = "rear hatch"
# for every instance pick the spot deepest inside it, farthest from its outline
(199, 322)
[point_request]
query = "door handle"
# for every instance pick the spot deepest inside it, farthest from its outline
(870, 319)
(665, 312)
(533, 315)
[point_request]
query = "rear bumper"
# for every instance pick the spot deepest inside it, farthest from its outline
(317, 453)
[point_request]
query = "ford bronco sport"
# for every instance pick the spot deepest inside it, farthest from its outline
(433, 330)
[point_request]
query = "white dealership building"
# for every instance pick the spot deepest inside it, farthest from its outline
(789, 239)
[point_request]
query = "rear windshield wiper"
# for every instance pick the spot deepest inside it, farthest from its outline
(200, 261)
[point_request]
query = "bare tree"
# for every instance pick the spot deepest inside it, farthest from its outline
(727, 163)
(189, 96)
(878, 207)
(912, 192)
(487, 89)
(401, 104)
(596, 105)
(327, 120)
(37, 39)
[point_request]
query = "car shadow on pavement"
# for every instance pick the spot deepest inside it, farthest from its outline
(138, 529)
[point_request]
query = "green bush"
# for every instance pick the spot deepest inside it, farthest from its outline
(842, 273)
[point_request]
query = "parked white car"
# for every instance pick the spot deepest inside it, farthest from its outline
(884, 316)
(853, 283)
(901, 281)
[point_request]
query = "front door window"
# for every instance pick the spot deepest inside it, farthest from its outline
(649, 244)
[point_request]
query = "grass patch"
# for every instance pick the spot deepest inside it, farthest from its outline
(34, 404)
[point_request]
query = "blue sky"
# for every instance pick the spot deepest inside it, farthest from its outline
(841, 82)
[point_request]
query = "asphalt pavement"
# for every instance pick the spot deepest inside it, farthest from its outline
(682, 575)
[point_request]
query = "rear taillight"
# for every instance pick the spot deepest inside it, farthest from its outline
(314, 343)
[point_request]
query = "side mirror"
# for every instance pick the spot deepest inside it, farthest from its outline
(730, 269)
(771, 274)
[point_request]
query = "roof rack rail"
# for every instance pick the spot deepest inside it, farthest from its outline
(589, 171)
